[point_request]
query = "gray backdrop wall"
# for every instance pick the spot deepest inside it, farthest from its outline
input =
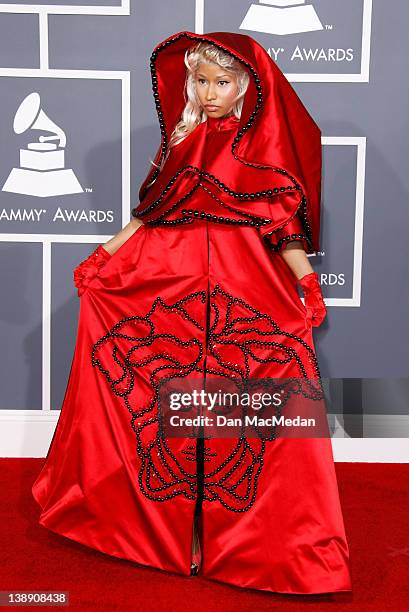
(80, 70)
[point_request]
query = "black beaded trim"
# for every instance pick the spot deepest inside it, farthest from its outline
(229, 329)
(124, 385)
(161, 475)
(260, 221)
(160, 219)
(254, 219)
(236, 140)
(301, 213)
(290, 238)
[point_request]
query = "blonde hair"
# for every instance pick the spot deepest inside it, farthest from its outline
(193, 113)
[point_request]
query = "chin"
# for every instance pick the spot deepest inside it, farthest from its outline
(216, 113)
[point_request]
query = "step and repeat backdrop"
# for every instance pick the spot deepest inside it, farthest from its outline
(78, 127)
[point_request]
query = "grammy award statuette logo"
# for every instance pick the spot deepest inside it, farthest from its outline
(41, 172)
(281, 17)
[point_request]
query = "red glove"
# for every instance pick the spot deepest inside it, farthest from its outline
(89, 268)
(314, 302)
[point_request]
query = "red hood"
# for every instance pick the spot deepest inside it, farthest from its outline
(276, 138)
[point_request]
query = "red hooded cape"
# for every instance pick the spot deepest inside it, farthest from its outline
(271, 170)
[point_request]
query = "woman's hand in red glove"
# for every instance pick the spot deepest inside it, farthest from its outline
(89, 268)
(314, 301)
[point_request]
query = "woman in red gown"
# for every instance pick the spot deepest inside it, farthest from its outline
(205, 284)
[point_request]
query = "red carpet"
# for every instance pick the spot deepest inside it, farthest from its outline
(375, 502)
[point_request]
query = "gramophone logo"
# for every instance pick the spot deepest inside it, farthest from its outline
(41, 172)
(281, 17)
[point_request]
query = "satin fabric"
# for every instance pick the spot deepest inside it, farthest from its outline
(277, 144)
(177, 302)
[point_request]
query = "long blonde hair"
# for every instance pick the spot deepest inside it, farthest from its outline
(193, 114)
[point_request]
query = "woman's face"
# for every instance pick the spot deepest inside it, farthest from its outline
(216, 89)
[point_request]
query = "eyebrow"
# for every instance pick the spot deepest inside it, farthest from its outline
(219, 76)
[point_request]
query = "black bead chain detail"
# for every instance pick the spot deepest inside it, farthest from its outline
(170, 480)
(301, 213)
(255, 219)
(161, 475)
(160, 220)
(157, 202)
(154, 79)
(236, 140)
(291, 237)
(256, 195)
(229, 329)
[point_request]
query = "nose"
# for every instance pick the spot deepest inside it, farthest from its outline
(210, 93)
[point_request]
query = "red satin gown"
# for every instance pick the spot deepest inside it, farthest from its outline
(182, 301)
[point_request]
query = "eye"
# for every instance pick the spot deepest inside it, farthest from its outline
(224, 81)
(201, 80)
